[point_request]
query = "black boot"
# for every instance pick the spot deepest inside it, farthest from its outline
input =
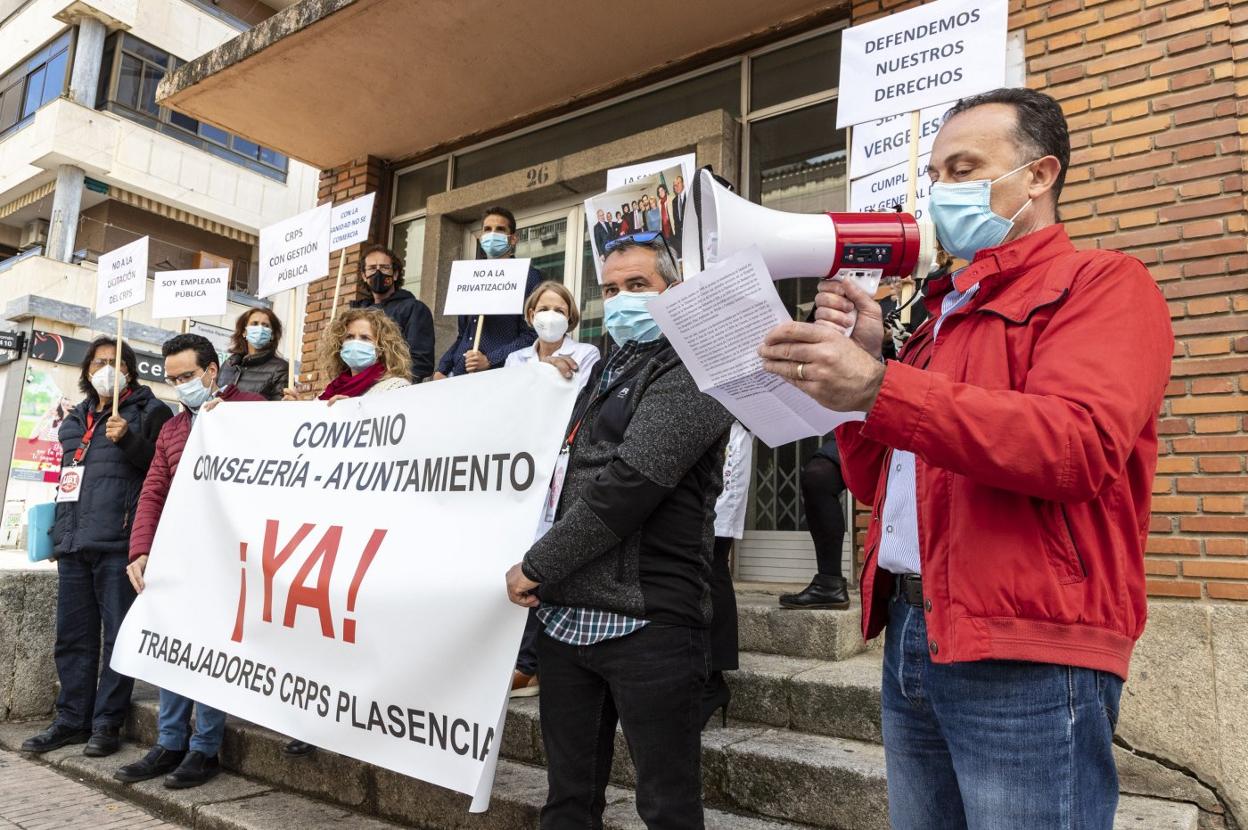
(196, 768)
(157, 762)
(715, 695)
(828, 591)
(54, 737)
(103, 742)
(297, 749)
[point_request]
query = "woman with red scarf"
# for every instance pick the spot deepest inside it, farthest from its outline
(665, 213)
(365, 352)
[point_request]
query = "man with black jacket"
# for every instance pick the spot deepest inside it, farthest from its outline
(623, 572)
(382, 270)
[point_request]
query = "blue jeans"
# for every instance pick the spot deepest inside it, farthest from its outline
(994, 744)
(93, 596)
(174, 723)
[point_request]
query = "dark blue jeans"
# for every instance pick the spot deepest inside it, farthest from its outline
(651, 683)
(93, 596)
(993, 744)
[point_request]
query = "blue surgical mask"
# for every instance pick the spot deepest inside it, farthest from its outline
(495, 244)
(193, 393)
(962, 214)
(259, 336)
(358, 354)
(627, 317)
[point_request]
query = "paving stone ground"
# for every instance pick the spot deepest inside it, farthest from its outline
(34, 797)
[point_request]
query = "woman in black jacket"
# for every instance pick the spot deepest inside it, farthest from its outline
(253, 365)
(105, 458)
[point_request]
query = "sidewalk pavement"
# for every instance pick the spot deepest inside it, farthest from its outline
(34, 797)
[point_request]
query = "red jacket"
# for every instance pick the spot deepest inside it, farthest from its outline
(1033, 421)
(169, 446)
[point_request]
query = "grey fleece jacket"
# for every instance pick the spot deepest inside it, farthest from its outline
(634, 530)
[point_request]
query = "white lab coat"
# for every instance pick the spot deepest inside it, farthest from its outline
(738, 465)
(585, 355)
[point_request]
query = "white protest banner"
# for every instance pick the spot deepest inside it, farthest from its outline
(884, 142)
(884, 190)
(349, 222)
(909, 60)
(347, 588)
(295, 251)
(487, 286)
(621, 176)
(200, 292)
(121, 277)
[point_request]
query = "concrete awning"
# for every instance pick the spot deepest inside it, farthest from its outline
(327, 81)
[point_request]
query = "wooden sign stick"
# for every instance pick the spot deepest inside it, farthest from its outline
(333, 309)
(121, 316)
(290, 339)
(476, 343)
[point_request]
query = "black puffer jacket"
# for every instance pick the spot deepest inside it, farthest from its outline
(263, 373)
(415, 320)
(99, 522)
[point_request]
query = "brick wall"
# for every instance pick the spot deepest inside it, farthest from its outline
(337, 185)
(1156, 94)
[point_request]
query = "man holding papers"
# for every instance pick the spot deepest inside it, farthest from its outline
(1008, 456)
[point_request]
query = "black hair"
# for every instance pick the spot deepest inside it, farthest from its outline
(395, 260)
(1040, 126)
(505, 213)
(128, 360)
(205, 352)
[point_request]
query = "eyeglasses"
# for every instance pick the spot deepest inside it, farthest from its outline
(373, 269)
(645, 238)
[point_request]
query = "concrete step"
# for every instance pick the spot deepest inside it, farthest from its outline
(825, 635)
(1140, 813)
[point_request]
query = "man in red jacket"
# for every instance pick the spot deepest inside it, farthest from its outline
(191, 366)
(1008, 456)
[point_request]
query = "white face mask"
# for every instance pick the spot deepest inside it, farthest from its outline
(102, 381)
(550, 325)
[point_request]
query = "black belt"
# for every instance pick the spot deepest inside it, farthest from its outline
(908, 587)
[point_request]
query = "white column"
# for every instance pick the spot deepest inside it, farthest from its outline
(66, 204)
(88, 54)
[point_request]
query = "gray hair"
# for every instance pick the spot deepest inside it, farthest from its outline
(664, 257)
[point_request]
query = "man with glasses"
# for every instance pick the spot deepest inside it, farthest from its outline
(623, 572)
(381, 271)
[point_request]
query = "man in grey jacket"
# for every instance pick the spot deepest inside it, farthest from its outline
(623, 573)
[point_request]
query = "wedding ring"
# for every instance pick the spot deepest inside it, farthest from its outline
(801, 371)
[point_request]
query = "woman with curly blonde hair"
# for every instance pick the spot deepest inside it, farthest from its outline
(365, 352)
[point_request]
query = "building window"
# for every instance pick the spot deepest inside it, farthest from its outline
(40, 78)
(132, 70)
(412, 189)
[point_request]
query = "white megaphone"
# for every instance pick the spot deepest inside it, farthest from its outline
(865, 247)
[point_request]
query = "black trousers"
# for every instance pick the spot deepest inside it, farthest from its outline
(526, 661)
(651, 683)
(822, 485)
(723, 631)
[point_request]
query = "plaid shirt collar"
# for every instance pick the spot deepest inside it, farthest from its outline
(624, 358)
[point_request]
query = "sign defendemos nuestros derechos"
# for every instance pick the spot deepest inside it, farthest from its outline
(201, 292)
(349, 588)
(884, 190)
(884, 142)
(349, 221)
(121, 277)
(486, 286)
(295, 251)
(939, 51)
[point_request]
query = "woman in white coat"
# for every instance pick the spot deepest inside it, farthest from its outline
(552, 313)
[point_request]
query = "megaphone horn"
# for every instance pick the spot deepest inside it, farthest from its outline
(868, 246)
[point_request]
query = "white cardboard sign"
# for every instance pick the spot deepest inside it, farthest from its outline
(487, 286)
(939, 51)
(295, 251)
(883, 190)
(350, 590)
(121, 278)
(349, 222)
(621, 176)
(881, 143)
(201, 292)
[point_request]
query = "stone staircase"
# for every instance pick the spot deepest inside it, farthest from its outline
(801, 751)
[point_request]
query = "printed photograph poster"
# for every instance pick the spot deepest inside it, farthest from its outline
(36, 447)
(648, 203)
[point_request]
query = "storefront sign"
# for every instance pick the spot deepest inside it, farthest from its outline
(881, 143)
(886, 189)
(219, 336)
(487, 286)
(121, 278)
(57, 348)
(913, 59)
(349, 222)
(199, 292)
(349, 590)
(13, 341)
(295, 251)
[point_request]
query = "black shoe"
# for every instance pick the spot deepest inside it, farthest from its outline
(715, 695)
(102, 743)
(826, 591)
(196, 768)
(297, 749)
(54, 737)
(157, 762)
